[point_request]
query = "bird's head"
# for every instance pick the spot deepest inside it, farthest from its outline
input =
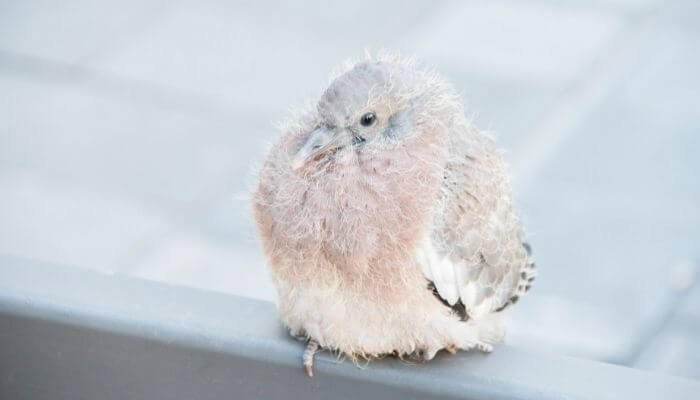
(375, 105)
(355, 177)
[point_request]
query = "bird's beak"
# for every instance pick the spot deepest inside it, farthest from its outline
(321, 141)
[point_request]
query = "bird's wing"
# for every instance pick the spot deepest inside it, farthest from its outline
(475, 256)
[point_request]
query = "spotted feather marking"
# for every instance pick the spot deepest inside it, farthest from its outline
(527, 276)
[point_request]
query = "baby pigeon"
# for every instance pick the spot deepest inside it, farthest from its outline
(386, 219)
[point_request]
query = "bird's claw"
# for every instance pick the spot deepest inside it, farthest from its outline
(308, 357)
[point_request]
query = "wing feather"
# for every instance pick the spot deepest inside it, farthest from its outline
(475, 252)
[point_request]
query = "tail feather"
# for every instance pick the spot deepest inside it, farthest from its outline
(527, 277)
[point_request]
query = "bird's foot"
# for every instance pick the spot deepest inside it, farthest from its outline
(483, 347)
(452, 349)
(308, 357)
(427, 354)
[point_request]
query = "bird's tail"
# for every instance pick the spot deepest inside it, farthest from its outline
(527, 277)
(529, 272)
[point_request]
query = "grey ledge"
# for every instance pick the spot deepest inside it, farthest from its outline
(73, 334)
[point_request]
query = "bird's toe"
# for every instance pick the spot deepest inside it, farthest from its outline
(484, 347)
(429, 354)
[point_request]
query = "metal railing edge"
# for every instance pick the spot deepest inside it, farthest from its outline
(71, 333)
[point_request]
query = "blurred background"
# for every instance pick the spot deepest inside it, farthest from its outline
(130, 132)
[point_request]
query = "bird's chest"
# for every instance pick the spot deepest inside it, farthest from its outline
(366, 219)
(372, 315)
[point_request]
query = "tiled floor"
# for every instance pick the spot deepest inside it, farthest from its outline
(129, 137)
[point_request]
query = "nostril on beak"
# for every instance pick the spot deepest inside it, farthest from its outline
(318, 145)
(358, 140)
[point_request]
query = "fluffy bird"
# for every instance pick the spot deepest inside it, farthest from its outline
(386, 219)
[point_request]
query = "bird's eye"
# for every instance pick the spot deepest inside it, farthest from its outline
(368, 119)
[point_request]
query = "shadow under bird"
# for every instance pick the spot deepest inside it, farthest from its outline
(387, 222)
